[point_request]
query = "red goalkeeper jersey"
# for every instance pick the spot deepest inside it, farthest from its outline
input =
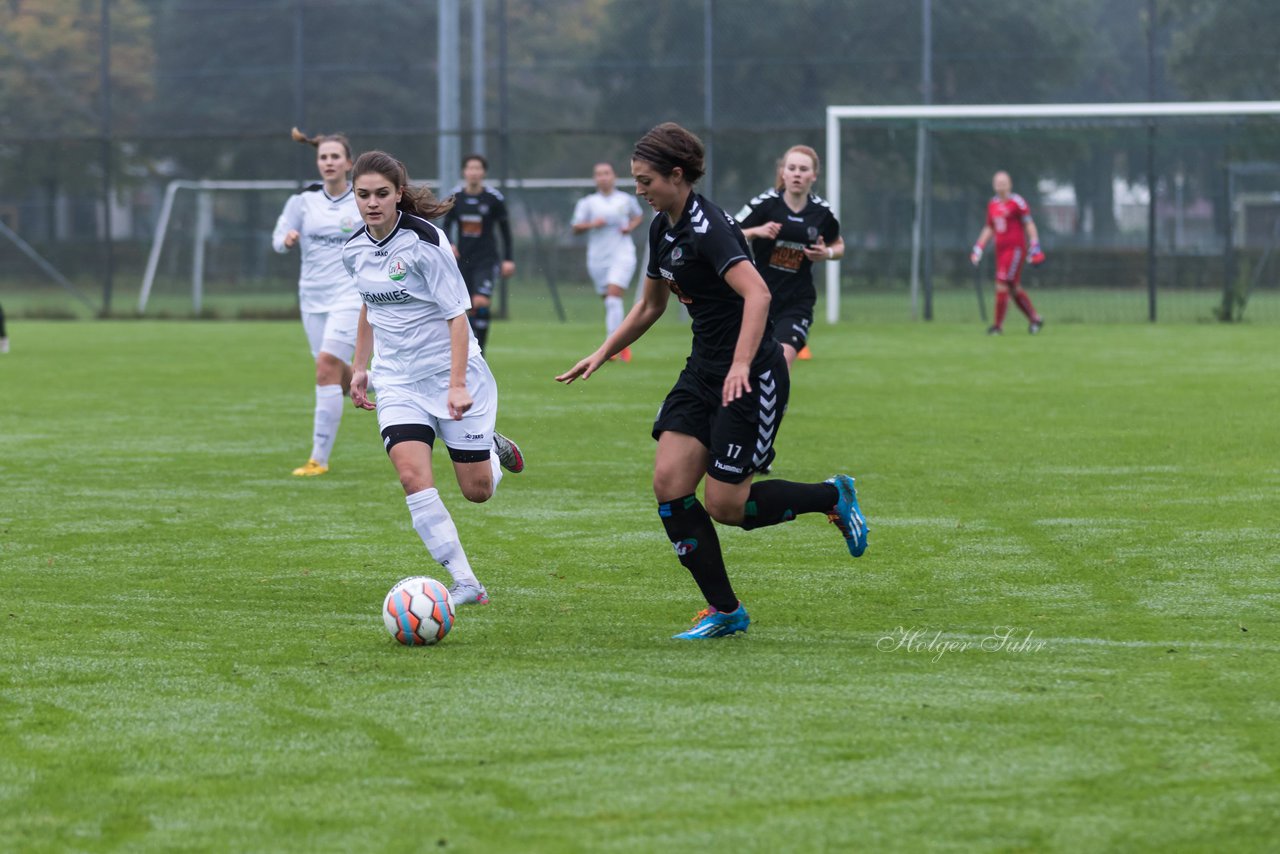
(1007, 219)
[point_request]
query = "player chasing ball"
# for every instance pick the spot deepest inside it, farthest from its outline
(318, 221)
(790, 230)
(608, 217)
(430, 375)
(1009, 219)
(478, 212)
(722, 416)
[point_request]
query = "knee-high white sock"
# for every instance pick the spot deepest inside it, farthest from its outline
(434, 524)
(328, 416)
(612, 314)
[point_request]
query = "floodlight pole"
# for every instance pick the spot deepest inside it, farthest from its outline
(478, 59)
(450, 97)
(1151, 163)
(107, 224)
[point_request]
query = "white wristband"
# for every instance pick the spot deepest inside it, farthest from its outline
(831, 253)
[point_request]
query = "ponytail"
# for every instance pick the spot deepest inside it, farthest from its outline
(341, 139)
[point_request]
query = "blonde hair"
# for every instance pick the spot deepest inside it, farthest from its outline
(418, 201)
(797, 149)
(341, 139)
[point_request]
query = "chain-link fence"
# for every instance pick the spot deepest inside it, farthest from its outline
(104, 102)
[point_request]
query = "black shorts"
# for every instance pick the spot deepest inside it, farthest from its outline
(480, 278)
(791, 324)
(739, 436)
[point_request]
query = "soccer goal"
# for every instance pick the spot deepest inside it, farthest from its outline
(1115, 188)
(211, 248)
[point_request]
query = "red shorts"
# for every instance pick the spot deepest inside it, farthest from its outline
(1009, 262)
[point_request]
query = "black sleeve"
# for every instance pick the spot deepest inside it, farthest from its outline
(504, 227)
(723, 244)
(752, 215)
(830, 228)
(450, 218)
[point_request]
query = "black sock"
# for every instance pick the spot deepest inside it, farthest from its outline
(772, 502)
(480, 325)
(692, 532)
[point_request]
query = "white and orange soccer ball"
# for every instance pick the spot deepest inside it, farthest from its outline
(418, 611)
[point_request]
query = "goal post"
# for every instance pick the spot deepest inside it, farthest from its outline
(995, 113)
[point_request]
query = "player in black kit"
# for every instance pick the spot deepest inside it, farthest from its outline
(790, 230)
(722, 416)
(478, 212)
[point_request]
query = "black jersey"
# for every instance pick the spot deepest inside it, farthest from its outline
(692, 256)
(781, 260)
(477, 218)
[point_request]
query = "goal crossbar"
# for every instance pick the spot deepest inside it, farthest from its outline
(836, 114)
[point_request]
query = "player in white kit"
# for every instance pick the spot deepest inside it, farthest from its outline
(608, 216)
(319, 220)
(430, 375)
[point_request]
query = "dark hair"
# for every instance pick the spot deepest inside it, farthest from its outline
(418, 201)
(479, 157)
(668, 146)
(341, 139)
(799, 149)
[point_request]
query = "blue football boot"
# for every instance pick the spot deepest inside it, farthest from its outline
(711, 623)
(847, 517)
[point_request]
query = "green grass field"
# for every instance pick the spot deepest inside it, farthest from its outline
(192, 657)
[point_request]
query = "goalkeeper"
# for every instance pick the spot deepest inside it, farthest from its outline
(1009, 219)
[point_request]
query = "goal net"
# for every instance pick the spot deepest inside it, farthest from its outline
(211, 252)
(1143, 209)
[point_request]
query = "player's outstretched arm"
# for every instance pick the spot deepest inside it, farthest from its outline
(1035, 254)
(360, 362)
(645, 312)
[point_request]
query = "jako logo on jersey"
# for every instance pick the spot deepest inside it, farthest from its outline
(347, 224)
(397, 269)
(684, 547)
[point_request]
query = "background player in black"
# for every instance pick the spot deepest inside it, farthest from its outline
(723, 414)
(4, 335)
(791, 229)
(478, 212)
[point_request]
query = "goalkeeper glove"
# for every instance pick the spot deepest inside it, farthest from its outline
(976, 255)
(1037, 255)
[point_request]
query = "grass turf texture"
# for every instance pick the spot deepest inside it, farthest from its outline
(192, 656)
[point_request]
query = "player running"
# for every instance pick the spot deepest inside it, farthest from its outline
(430, 375)
(478, 211)
(1009, 219)
(722, 416)
(609, 216)
(790, 230)
(318, 221)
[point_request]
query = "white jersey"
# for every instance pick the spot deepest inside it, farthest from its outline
(324, 223)
(617, 210)
(411, 288)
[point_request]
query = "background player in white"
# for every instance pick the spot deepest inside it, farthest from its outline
(608, 217)
(319, 220)
(430, 375)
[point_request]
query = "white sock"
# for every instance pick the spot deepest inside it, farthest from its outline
(496, 467)
(612, 314)
(328, 416)
(434, 524)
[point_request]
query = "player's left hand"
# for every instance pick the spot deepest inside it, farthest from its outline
(817, 251)
(736, 383)
(583, 370)
(508, 269)
(459, 402)
(1037, 255)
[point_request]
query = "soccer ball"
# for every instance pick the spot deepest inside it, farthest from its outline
(418, 611)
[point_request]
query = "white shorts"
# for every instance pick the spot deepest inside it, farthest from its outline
(333, 332)
(427, 402)
(616, 271)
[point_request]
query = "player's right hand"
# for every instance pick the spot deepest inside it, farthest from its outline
(360, 390)
(1037, 255)
(770, 229)
(291, 239)
(975, 257)
(583, 369)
